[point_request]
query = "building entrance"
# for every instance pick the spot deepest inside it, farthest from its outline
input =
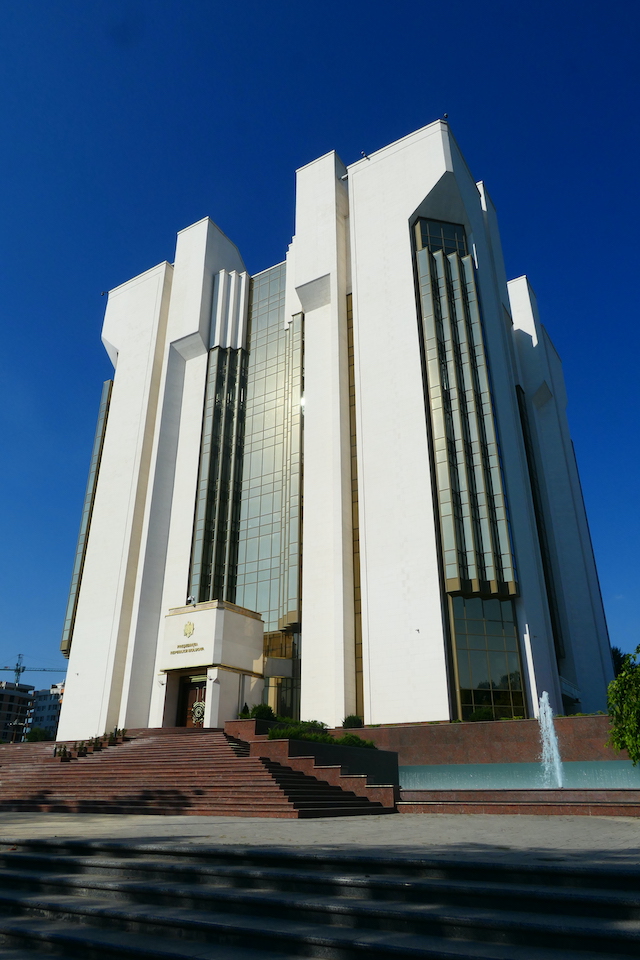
(191, 701)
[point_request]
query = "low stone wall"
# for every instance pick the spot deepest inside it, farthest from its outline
(248, 729)
(497, 741)
(379, 766)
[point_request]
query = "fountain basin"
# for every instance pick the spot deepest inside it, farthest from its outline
(578, 775)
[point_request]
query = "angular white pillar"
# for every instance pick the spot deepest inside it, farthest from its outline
(404, 659)
(318, 265)
(134, 333)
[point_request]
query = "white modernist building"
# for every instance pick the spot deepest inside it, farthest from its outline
(386, 372)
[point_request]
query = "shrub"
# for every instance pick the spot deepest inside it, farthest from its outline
(245, 713)
(316, 732)
(352, 721)
(38, 735)
(352, 740)
(598, 713)
(299, 726)
(262, 711)
(299, 731)
(482, 713)
(623, 697)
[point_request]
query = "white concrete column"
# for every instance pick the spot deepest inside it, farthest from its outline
(404, 657)
(215, 679)
(133, 332)
(317, 267)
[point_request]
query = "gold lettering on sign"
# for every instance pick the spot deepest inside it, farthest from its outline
(191, 648)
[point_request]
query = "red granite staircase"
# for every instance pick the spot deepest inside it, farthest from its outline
(173, 771)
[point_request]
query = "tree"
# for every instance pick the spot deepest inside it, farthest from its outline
(37, 735)
(623, 697)
(618, 659)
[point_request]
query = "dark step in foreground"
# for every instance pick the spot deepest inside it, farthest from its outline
(108, 900)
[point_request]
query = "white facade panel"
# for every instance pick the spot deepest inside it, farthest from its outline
(405, 674)
(587, 660)
(318, 263)
(135, 325)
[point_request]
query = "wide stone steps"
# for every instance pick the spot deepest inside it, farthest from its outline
(298, 798)
(603, 893)
(265, 901)
(225, 764)
(202, 773)
(102, 900)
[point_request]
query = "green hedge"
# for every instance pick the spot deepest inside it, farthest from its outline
(316, 732)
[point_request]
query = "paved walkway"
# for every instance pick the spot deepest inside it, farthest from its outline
(498, 838)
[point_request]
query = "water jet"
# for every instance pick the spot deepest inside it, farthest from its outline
(552, 773)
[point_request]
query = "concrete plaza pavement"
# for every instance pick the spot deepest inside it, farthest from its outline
(588, 840)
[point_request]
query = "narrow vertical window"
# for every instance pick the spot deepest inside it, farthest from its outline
(479, 572)
(85, 523)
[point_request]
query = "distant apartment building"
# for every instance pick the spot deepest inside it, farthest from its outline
(45, 709)
(15, 702)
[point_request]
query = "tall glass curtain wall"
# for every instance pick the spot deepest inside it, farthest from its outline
(478, 559)
(85, 523)
(217, 516)
(247, 531)
(269, 555)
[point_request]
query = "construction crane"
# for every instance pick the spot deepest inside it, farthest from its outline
(19, 669)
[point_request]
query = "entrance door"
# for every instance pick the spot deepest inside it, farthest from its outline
(191, 702)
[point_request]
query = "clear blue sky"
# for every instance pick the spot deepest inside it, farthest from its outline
(123, 121)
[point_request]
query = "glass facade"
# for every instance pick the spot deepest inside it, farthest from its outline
(476, 543)
(217, 520)
(479, 567)
(269, 554)
(85, 523)
(247, 527)
(488, 665)
(434, 235)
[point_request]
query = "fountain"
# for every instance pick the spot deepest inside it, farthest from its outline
(552, 774)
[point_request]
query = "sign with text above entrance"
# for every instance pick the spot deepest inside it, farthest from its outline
(188, 645)
(213, 633)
